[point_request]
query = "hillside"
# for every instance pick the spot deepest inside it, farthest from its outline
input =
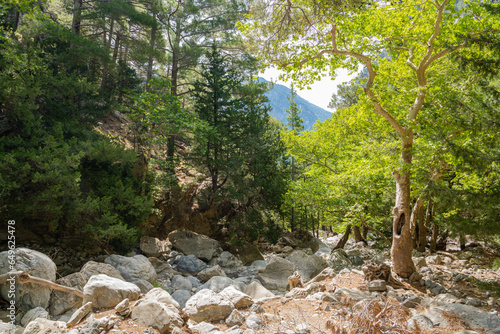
(278, 100)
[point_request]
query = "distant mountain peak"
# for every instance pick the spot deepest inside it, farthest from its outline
(278, 100)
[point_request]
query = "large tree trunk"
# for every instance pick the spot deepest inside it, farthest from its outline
(421, 235)
(402, 242)
(77, 13)
(357, 234)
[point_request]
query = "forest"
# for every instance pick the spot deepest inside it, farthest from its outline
(124, 118)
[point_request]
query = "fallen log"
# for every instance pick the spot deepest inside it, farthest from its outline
(23, 277)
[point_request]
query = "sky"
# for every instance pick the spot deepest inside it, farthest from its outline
(320, 93)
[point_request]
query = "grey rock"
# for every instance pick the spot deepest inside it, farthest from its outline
(339, 260)
(356, 257)
(37, 312)
(256, 291)
(236, 318)
(29, 295)
(207, 305)
(301, 293)
(421, 321)
(234, 330)
(97, 326)
(92, 268)
(275, 275)
(189, 264)
(154, 247)
(181, 283)
(434, 259)
(163, 269)
(376, 285)
(354, 294)
(308, 265)
(79, 314)
(143, 285)
(236, 297)
(208, 273)
(219, 283)
(420, 262)
(157, 315)
(182, 296)
(191, 243)
(257, 308)
(134, 268)
(227, 260)
(61, 302)
(248, 253)
(107, 292)
(45, 326)
(477, 318)
(254, 322)
(323, 275)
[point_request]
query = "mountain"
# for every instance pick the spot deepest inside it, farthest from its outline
(278, 100)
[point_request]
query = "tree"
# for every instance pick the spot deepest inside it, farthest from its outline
(315, 37)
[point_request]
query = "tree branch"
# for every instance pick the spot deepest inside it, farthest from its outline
(24, 277)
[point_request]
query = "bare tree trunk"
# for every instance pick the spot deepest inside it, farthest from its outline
(364, 231)
(435, 234)
(77, 13)
(344, 239)
(357, 234)
(402, 242)
(149, 73)
(421, 235)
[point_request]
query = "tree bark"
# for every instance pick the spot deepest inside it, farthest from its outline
(344, 239)
(402, 241)
(421, 235)
(364, 232)
(435, 234)
(357, 234)
(24, 277)
(77, 13)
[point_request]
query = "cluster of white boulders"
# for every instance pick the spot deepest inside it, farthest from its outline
(189, 280)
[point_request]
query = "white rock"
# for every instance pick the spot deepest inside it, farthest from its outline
(45, 326)
(236, 318)
(37, 312)
(236, 297)
(92, 268)
(154, 314)
(162, 296)
(275, 275)
(80, 314)
(107, 292)
(206, 305)
(133, 268)
(256, 291)
(219, 283)
(189, 242)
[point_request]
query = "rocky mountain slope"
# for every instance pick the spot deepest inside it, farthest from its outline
(188, 284)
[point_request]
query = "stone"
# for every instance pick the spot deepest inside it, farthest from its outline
(420, 262)
(377, 285)
(302, 293)
(162, 296)
(106, 292)
(256, 291)
(354, 294)
(275, 275)
(29, 295)
(236, 297)
(257, 308)
(92, 268)
(154, 247)
(339, 260)
(45, 326)
(191, 243)
(477, 318)
(7, 328)
(205, 327)
(421, 321)
(236, 318)
(308, 265)
(143, 285)
(123, 305)
(181, 283)
(434, 259)
(302, 329)
(254, 322)
(356, 257)
(207, 305)
(79, 314)
(234, 330)
(61, 302)
(133, 268)
(415, 277)
(248, 253)
(323, 275)
(96, 326)
(412, 302)
(37, 312)
(189, 264)
(208, 273)
(227, 260)
(219, 283)
(154, 314)
(304, 239)
(181, 297)
(163, 269)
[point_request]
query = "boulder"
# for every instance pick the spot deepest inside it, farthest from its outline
(61, 302)
(181, 283)
(162, 296)
(304, 239)
(275, 275)
(377, 285)
(133, 268)
(256, 291)
(7, 328)
(207, 305)
(144, 285)
(227, 260)
(191, 243)
(354, 294)
(79, 314)
(254, 322)
(248, 253)
(97, 325)
(163, 270)
(154, 314)
(236, 297)
(475, 317)
(208, 273)
(181, 297)
(32, 314)
(29, 295)
(154, 247)
(107, 292)
(92, 268)
(219, 283)
(308, 265)
(45, 326)
(189, 264)
(356, 257)
(339, 260)
(323, 275)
